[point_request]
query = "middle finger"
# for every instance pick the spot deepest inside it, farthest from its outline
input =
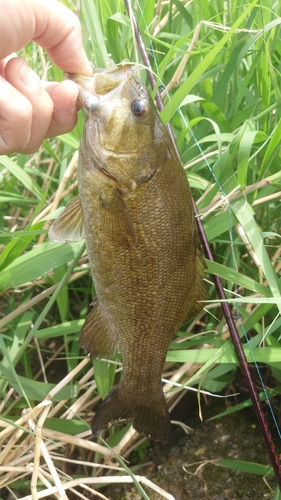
(19, 75)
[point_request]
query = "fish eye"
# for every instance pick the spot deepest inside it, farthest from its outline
(139, 107)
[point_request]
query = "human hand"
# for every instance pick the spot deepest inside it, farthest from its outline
(31, 110)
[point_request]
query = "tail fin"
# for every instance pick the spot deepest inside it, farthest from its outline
(150, 416)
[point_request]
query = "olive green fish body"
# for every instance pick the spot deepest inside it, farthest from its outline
(142, 246)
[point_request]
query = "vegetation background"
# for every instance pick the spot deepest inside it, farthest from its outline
(218, 66)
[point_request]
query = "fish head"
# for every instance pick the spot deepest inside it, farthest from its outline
(122, 127)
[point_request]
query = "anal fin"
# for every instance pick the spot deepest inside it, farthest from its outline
(96, 337)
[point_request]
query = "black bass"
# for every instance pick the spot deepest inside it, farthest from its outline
(135, 210)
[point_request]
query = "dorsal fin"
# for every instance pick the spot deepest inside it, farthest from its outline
(200, 289)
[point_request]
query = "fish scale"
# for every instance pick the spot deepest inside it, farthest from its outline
(142, 244)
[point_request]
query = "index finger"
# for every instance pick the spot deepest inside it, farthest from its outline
(50, 24)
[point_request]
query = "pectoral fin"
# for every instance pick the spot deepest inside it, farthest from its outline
(116, 219)
(69, 224)
(96, 337)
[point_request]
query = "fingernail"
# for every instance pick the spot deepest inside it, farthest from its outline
(29, 77)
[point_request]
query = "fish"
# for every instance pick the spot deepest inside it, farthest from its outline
(135, 210)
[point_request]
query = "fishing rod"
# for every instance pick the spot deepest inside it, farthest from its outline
(274, 458)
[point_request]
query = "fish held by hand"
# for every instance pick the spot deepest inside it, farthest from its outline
(135, 210)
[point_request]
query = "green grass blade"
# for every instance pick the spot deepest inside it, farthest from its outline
(175, 101)
(248, 467)
(38, 261)
(244, 214)
(96, 33)
(21, 175)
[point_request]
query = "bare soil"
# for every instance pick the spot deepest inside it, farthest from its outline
(186, 468)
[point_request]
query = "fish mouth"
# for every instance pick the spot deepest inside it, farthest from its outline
(105, 84)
